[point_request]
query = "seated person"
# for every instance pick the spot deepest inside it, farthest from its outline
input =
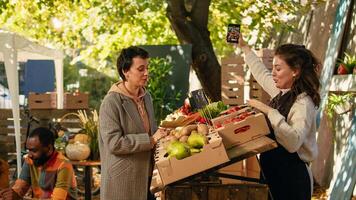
(45, 170)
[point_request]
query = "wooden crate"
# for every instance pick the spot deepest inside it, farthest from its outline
(250, 191)
(42, 100)
(232, 80)
(76, 100)
(257, 92)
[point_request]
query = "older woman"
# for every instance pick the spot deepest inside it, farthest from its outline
(293, 85)
(127, 125)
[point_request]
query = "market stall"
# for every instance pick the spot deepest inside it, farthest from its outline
(213, 135)
(13, 47)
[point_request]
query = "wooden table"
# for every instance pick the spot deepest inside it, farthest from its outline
(87, 175)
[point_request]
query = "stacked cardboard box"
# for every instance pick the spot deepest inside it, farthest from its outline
(247, 167)
(76, 100)
(42, 100)
(232, 80)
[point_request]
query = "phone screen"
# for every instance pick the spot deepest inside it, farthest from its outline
(233, 33)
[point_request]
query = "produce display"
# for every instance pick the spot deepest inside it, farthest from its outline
(181, 117)
(233, 114)
(185, 115)
(187, 135)
(212, 110)
(185, 141)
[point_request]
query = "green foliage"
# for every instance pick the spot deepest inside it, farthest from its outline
(93, 31)
(93, 82)
(258, 19)
(90, 126)
(335, 100)
(165, 96)
(349, 62)
(212, 110)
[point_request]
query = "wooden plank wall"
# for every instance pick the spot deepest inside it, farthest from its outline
(45, 117)
(7, 134)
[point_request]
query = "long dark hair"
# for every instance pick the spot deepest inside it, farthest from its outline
(302, 59)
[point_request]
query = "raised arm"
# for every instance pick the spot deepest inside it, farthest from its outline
(262, 75)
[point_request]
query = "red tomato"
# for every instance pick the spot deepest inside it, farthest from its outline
(218, 125)
(342, 69)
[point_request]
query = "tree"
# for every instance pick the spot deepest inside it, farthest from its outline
(190, 22)
(93, 31)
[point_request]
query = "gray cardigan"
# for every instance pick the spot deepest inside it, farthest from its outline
(125, 149)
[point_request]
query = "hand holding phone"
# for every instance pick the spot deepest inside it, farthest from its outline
(233, 33)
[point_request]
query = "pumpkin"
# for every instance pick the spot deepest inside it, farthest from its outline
(77, 151)
(82, 138)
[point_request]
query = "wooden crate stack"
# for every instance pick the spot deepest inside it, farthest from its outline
(232, 80)
(256, 90)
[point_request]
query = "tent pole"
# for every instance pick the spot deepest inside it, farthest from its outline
(10, 58)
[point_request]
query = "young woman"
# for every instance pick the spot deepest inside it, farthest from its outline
(126, 134)
(293, 85)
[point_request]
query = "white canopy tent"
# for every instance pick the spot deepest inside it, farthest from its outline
(12, 48)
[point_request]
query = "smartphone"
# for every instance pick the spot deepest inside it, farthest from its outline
(233, 33)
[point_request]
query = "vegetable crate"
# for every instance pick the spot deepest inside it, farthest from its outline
(240, 127)
(257, 92)
(232, 80)
(206, 191)
(42, 100)
(170, 170)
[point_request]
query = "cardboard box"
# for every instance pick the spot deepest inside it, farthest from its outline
(76, 100)
(237, 153)
(171, 170)
(42, 100)
(237, 133)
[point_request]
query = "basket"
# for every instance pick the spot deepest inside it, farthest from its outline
(88, 126)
